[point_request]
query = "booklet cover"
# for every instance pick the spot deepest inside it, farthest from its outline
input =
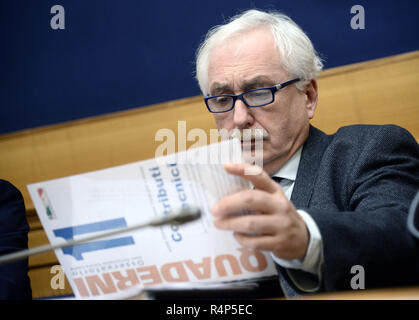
(84, 204)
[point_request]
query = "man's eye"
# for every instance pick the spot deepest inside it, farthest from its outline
(222, 100)
(258, 93)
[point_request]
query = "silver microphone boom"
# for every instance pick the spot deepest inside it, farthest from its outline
(178, 217)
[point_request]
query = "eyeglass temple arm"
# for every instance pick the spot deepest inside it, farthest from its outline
(284, 84)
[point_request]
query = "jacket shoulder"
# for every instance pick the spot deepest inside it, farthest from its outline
(379, 132)
(7, 189)
(12, 209)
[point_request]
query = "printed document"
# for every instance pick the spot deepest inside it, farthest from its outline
(82, 205)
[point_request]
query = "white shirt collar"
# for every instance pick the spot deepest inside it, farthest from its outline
(290, 168)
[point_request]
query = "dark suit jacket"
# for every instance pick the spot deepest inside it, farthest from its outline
(357, 185)
(14, 280)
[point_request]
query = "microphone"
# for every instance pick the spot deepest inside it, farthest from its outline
(178, 217)
(413, 217)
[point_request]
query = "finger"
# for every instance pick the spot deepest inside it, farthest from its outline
(264, 242)
(254, 200)
(254, 174)
(277, 244)
(251, 224)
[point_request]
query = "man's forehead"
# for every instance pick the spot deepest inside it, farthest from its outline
(248, 60)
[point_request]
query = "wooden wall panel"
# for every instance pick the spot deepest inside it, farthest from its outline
(41, 284)
(93, 144)
(378, 92)
(38, 238)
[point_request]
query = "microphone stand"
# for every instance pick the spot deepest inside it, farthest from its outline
(179, 217)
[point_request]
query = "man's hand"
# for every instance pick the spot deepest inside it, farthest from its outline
(276, 225)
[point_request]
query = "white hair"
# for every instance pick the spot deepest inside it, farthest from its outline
(296, 51)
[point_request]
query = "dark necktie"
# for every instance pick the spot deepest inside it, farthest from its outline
(283, 182)
(287, 289)
(278, 179)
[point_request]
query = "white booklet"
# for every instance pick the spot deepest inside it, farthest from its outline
(82, 205)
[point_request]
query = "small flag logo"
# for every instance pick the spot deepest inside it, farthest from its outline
(47, 204)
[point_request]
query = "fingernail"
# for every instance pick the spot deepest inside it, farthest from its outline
(214, 209)
(252, 171)
(228, 165)
(217, 223)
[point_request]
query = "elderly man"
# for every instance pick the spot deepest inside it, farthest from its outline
(323, 203)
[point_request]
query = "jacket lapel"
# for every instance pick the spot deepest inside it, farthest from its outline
(311, 157)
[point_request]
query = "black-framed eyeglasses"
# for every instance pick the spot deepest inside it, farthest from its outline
(252, 98)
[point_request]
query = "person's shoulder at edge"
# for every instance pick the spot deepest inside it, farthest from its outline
(14, 280)
(367, 131)
(12, 209)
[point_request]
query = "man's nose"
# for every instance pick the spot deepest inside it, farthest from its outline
(242, 116)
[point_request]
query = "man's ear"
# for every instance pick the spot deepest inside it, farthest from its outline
(312, 97)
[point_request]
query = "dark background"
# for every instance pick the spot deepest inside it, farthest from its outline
(119, 54)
